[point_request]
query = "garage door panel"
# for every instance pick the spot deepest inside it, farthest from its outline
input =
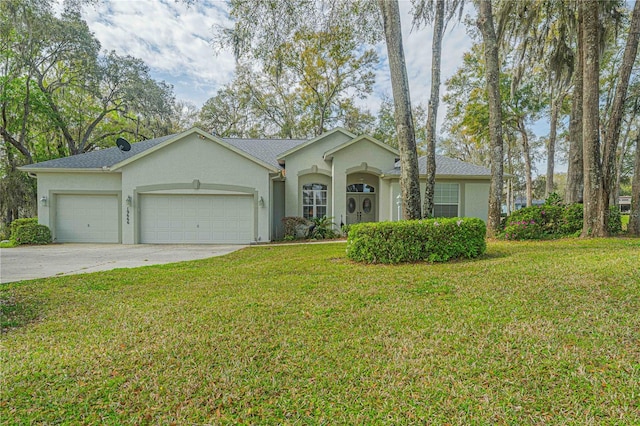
(87, 219)
(196, 219)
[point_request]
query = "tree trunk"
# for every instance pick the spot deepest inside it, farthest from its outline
(556, 104)
(527, 162)
(492, 74)
(617, 110)
(432, 110)
(624, 146)
(409, 177)
(575, 174)
(634, 216)
(594, 223)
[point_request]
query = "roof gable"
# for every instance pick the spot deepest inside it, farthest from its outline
(202, 135)
(317, 138)
(329, 154)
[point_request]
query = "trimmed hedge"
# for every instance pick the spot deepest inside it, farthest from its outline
(29, 231)
(433, 240)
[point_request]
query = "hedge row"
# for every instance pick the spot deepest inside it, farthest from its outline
(29, 231)
(552, 221)
(433, 240)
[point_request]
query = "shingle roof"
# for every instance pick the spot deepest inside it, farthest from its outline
(266, 150)
(446, 166)
(98, 159)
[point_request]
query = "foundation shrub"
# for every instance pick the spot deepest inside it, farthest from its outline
(433, 240)
(31, 233)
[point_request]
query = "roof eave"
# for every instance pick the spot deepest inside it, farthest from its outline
(36, 170)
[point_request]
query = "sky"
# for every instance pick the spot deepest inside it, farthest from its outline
(174, 40)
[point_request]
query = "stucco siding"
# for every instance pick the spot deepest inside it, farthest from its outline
(476, 200)
(308, 160)
(52, 184)
(473, 198)
(194, 165)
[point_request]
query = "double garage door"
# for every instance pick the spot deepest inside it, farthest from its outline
(164, 219)
(193, 219)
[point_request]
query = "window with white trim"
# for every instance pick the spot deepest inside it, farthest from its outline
(314, 200)
(446, 200)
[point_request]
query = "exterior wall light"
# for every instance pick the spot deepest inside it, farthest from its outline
(261, 202)
(43, 201)
(129, 201)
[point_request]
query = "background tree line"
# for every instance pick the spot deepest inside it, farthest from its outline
(303, 66)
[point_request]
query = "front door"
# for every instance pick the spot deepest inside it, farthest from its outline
(361, 208)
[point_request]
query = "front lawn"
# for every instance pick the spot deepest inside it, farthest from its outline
(530, 333)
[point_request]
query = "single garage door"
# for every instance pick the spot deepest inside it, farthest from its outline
(196, 219)
(87, 219)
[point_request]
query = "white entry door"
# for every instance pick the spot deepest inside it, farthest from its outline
(87, 219)
(196, 219)
(361, 208)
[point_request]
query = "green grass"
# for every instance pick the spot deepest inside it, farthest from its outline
(625, 221)
(531, 333)
(7, 244)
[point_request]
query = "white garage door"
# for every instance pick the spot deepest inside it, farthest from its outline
(87, 219)
(193, 219)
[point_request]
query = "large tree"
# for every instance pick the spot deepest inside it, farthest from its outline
(594, 223)
(612, 134)
(59, 95)
(409, 183)
(492, 75)
(438, 12)
(634, 217)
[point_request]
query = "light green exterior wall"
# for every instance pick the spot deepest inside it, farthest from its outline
(217, 170)
(51, 185)
(361, 160)
(473, 195)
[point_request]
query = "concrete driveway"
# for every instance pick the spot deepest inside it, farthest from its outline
(31, 262)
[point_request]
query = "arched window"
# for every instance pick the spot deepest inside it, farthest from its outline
(314, 200)
(360, 187)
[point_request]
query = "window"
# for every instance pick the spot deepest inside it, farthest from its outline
(360, 187)
(445, 200)
(314, 200)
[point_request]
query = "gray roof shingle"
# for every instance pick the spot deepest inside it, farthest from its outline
(446, 166)
(98, 159)
(266, 150)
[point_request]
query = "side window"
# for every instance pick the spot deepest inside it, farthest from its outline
(445, 200)
(314, 200)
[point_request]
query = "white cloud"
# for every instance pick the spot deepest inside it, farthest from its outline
(174, 40)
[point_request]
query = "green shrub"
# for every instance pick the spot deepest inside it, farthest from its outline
(291, 224)
(525, 224)
(615, 220)
(434, 240)
(572, 218)
(322, 228)
(20, 222)
(552, 220)
(5, 232)
(31, 233)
